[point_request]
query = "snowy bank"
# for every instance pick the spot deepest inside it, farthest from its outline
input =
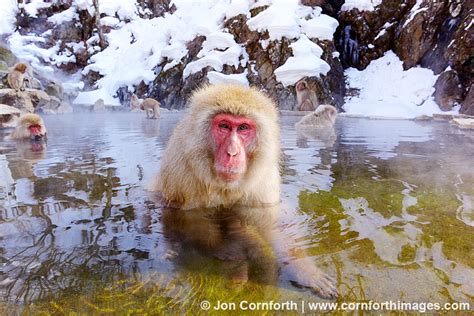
(386, 90)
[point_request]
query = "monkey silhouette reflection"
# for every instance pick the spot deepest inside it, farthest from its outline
(247, 238)
(226, 234)
(30, 153)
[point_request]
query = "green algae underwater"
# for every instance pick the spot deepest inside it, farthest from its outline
(385, 207)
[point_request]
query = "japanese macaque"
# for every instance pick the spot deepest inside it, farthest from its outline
(324, 116)
(29, 126)
(224, 152)
(151, 107)
(223, 159)
(135, 102)
(99, 106)
(16, 77)
(306, 98)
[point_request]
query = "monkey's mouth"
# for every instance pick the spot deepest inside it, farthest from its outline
(229, 174)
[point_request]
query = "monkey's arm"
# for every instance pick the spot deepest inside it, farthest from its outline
(299, 268)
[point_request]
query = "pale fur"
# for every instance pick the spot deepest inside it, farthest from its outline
(324, 116)
(306, 98)
(151, 107)
(99, 106)
(21, 130)
(135, 102)
(16, 77)
(187, 176)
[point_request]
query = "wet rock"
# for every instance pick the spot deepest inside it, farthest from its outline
(64, 108)
(7, 115)
(364, 36)
(55, 89)
(447, 90)
(18, 99)
(432, 34)
(467, 107)
(417, 31)
(464, 123)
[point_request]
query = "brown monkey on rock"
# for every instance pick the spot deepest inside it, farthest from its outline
(16, 77)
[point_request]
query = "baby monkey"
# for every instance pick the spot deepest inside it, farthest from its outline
(16, 77)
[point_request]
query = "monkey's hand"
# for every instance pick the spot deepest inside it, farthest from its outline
(304, 273)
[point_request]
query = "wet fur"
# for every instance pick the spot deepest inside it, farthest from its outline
(21, 130)
(324, 116)
(187, 178)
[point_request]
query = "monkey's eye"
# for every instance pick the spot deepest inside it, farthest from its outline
(243, 127)
(224, 126)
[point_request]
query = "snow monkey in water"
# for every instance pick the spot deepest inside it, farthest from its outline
(16, 77)
(324, 116)
(149, 105)
(29, 126)
(225, 155)
(306, 98)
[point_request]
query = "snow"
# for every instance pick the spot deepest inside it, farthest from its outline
(386, 90)
(218, 50)
(65, 16)
(361, 5)
(321, 27)
(8, 9)
(125, 9)
(90, 97)
(280, 20)
(216, 77)
(32, 8)
(306, 61)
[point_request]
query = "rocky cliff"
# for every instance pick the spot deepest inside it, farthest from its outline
(433, 34)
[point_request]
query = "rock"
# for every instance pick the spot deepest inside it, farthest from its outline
(418, 30)
(432, 34)
(442, 117)
(64, 108)
(39, 98)
(447, 90)
(18, 99)
(423, 118)
(55, 89)
(7, 115)
(467, 107)
(364, 36)
(464, 123)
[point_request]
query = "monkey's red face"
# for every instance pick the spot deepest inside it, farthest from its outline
(234, 138)
(36, 132)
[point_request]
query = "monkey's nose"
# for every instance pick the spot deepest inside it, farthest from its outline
(232, 153)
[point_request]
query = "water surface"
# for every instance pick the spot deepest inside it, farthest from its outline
(384, 206)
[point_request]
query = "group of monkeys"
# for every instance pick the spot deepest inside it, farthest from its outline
(219, 180)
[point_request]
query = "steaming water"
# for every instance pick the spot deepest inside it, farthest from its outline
(386, 207)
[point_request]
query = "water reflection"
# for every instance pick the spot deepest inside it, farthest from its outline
(387, 206)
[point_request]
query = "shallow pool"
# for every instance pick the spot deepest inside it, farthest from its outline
(384, 206)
